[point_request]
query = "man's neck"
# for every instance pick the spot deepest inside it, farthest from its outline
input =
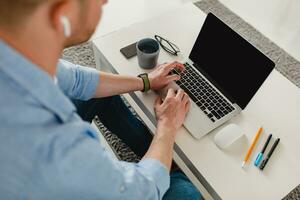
(36, 47)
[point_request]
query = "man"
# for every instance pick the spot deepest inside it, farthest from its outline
(46, 150)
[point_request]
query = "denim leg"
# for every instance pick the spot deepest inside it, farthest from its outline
(181, 188)
(116, 116)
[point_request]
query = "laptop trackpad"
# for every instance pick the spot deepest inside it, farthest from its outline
(197, 123)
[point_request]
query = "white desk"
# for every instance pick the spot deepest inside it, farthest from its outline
(276, 106)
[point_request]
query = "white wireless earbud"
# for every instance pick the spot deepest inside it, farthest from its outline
(65, 22)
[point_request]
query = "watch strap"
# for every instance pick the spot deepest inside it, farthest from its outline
(146, 82)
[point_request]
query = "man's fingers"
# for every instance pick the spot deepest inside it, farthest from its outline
(186, 98)
(171, 93)
(158, 102)
(180, 94)
(173, 65)
(173, 77)
(187, 106)
(179, 66)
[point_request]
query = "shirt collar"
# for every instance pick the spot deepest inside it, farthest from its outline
(34, 80)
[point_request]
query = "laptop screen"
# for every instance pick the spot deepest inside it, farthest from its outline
(231, 63)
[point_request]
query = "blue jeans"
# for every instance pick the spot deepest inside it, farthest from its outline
(115, 115)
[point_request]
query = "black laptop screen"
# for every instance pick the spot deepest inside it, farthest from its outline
(236, 67)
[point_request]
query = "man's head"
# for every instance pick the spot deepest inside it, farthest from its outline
(80, 17)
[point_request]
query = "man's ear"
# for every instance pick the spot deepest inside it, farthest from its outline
(65, 22)
(60, 17)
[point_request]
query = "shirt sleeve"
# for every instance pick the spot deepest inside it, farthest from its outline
(80, 168)
(77, 82)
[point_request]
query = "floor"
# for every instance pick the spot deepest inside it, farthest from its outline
(276, 19)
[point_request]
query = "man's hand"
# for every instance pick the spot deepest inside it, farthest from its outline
(170, 115)
(172, 112)
(161, 77)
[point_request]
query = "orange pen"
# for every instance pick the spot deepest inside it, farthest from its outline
(258, 133)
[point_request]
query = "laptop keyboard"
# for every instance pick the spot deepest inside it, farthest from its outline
(204, 95)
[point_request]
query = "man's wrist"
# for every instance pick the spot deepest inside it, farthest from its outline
(140, 84)
(146, 82)
(166, 128)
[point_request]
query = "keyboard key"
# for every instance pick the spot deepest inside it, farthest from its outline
(220, 113)
(215, 114)
(210, 115)
(228, 108)
(199, 104)
(189, 93)
(198, 95)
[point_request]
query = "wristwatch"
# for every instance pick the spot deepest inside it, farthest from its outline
(146, 82)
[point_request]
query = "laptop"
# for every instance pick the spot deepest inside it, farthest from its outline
(223, 73)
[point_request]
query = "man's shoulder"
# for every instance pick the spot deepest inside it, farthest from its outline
(11, 92)
(18, 106)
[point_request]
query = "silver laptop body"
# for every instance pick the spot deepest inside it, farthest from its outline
(197, 121)
(223, 73)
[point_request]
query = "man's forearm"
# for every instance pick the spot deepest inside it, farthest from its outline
(111, 84)
(162, 144)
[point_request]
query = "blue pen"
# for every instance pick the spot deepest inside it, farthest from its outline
(260, 155)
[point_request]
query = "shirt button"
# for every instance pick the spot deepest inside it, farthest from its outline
(122, 188)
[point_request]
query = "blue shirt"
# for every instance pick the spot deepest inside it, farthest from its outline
(48, 152)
